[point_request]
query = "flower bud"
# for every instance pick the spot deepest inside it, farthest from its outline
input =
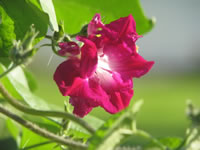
(22, 50)
(28, 41)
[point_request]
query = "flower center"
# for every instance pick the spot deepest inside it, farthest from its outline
(103, 64)
(103, 70)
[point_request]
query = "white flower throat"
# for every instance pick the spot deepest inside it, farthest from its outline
(103, 64)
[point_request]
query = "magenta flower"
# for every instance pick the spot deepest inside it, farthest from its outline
(102, 74)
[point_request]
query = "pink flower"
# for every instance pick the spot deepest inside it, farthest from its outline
(102, 75)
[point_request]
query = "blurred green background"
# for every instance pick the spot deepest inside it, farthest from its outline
(174, 46)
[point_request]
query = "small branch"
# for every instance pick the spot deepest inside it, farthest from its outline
(42, 132)
(148, 136)
(8, 70)
(15, 103)
(48, 37)
(43, 45)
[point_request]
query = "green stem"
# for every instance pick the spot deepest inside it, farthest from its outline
(8, 70)
(53, 46)
(40, 131)
(148, 136)
(32, 111)
(43, 45)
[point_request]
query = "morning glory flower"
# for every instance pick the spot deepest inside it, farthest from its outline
(101, 72)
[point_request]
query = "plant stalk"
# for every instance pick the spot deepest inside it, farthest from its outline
(42, 132)
(15, 103)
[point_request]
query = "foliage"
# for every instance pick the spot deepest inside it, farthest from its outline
(6, 35)
(111, 10)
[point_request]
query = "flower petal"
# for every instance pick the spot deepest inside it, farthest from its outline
(86, 94)
(118, 90)
(132, 66)
(65, 74)
(94, 25)
(99, 33)
(88, 57)
(81, 107)
(123, 26)
(120, 100)
(123, 60)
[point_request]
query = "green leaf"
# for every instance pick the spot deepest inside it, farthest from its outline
(29, 139)
(94, 121)
(30, 98)
(77, 132)
(48, 7)
(171, 143)
(7, 35)
(76, 13)
(15, 82)
(24, 13)
(7, 83)
(32, 83)
(19, 83)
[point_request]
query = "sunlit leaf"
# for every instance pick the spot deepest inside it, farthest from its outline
(16, 83)
(32, 83)
(25, 13)
(8, 85)
(76, 13)
(47, 6)
(30, 98)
